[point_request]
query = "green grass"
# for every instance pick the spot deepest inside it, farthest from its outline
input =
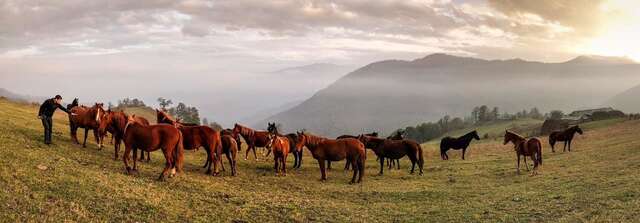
(145, 112)
(597, 182)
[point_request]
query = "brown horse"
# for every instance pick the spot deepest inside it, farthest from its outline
(395, 149)
(230, 149)
(252, 137)
(115, 122)
(87, 118)
(280, 147)
(565, 136)
(347, 164)
(292, 137)
(525, 147)
(195, 137)
(323, 149)
(397, 135)
(151, 138)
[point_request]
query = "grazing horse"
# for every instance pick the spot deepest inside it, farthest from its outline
(87, 118)
(525, 147)
(395, 149)
(195, 137)
(461, 142)
(292, 137)
(115, 122)
(252, 137)
(323, 149)
(151, 138)
(280, 147)
(566, 136)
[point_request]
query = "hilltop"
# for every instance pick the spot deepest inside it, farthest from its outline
(391, 94)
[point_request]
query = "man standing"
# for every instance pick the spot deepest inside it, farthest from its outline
(46, 114)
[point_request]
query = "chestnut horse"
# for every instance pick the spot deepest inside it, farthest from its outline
(151, 138)
(252, 137)
(525, 147)
(323, 149)
(292, 137)
(280, 147)
(87, 118)
(461, 142)
(565, 136)
(230, 149)
(114, 122)
(195, 137)
(347, 163)
(395, 149)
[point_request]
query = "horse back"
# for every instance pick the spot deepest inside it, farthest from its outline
(229, 144)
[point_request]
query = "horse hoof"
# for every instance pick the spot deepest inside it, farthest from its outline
(421, 174)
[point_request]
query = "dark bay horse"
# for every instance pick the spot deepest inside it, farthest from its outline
(151, 138)
(565, 136)
(197, 136)
(292, 137)
(398, 135)
(323, 149)
(461, 142)
(87, 118)
(115, 122)
(252, 137)
(525, 147)
(395, 149)
(280, 147)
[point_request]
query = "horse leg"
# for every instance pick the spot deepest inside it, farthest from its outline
(381, 166)
(525, 162)
(414, 160)
(234, 167)
(355, 171)
(253, 147)
(148, 157)
(300, 159)
(125, 156)
(86, 133)
(463, 151)
(275, 164)
(228, 155)
(116, 149)
(569, 145)
(284, 164)
(167, 166)
(360, 162)
(323, 171)
(98, 138)
(74, 133)
(518, 166)
(328, 164)
(135, 156)
(564, 148)
(346, 164)
(398, 163)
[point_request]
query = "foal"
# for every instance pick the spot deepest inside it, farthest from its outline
(280, 147)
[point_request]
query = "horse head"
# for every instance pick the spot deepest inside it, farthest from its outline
(272, 128)
(106, 120)
(512, 137)
(578, 129)
(301, 140)
(475, 135)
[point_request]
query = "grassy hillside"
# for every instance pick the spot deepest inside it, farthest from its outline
(597, 182)
(496, 129)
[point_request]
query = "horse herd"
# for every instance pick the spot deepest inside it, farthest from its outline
(172, 137)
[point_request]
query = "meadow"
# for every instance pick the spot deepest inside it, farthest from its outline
(596, 182)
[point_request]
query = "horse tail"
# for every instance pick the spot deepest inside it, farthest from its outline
(178, 153)
(420, 156)
(552, 139)
(539, 152)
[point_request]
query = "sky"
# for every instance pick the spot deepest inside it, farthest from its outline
(214, 54)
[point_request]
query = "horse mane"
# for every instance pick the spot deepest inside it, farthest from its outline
(245, 131)
(469, 134)
(313, 139)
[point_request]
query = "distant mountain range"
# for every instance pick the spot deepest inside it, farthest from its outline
(20, 97)
(387, 95)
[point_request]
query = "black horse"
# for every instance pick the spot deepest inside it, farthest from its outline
(565, 136)
(293, 138)
(457, 143)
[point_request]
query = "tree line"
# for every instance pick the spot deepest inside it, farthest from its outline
(479, 115)
(186, 114)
